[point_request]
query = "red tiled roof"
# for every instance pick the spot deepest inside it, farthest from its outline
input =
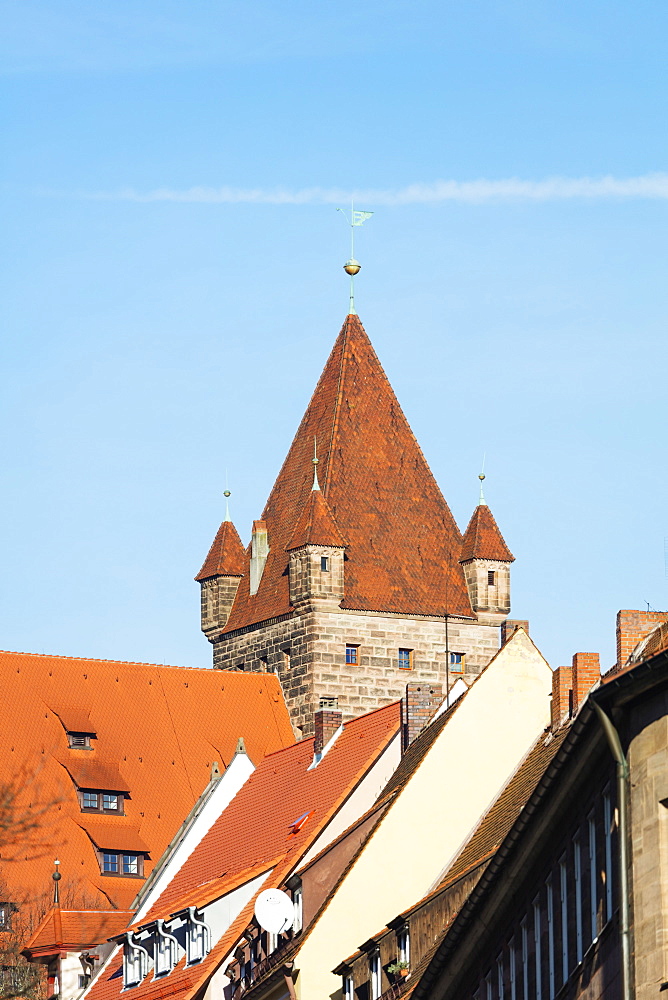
(403, 545)
(73, 929)
(482, 538)
(255, 829)
(159, 728)
(114, 834)
(96, 774)
(74, 718)
(226, 555)
(316, 525)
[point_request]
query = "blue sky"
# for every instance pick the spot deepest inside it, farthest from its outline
(172, 286)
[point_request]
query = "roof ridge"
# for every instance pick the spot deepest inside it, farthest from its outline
(337, 404)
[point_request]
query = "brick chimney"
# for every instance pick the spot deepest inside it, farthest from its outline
(632, 626)
(562, 695)
(586, 673)
(326, 721)
(417, 707)
(259, 553)
(509, 626)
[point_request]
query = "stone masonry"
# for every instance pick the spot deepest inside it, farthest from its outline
(308, 652)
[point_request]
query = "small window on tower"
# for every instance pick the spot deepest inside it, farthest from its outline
(287, 660)
(491, 578)
(457, 662)
(405, 659)
(352, 653)
(324, 564)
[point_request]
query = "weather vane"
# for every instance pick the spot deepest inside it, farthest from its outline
(353, 266)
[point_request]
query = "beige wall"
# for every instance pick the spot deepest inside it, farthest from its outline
(493, 728)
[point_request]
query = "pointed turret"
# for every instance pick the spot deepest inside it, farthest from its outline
(219, 577)
(316, 553)
(486, 561)
(402, 543)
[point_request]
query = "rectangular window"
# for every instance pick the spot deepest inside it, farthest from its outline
(593, 894)
(525, 959)
(198, 939)
(78, 741)
(297, 902)
(577, 866)
(457, 662)
(110, 864)
(607, 823)
(374, 967)
(348, 990)
(405, 659)
(90, 800)
(491, 576)
(404, 945)
(536, 948)
(351, 653)
(563, 892)
(488, 987)
(324, 564)
(130, 864)
(550, 938)
(110, 802)
(512, 969)
(83, 982)
(287, 659)
(500, 985)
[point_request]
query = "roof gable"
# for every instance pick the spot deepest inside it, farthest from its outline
(482, 538)
(403, 545)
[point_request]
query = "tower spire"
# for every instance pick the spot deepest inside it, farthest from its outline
(352, 266)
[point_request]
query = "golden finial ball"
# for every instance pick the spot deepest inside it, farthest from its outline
(352, 266)
(481, 476)
(227, 493)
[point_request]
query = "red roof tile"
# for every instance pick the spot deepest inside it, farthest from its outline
(255, 829)
(73, 929)
(482, 538)
(226, 555)
(159, 728)
(316, 525)
(114, 834)
(403, 545)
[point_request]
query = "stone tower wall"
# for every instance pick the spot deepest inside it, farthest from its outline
(308, 652)
(486, 599)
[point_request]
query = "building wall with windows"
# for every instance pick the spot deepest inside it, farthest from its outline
(311, 653)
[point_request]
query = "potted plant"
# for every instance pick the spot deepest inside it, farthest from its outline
(398, 969)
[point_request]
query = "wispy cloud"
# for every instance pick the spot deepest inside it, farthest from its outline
(475, 192)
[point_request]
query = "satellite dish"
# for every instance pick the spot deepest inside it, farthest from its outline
(274, 911)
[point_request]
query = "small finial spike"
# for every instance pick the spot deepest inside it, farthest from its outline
(227, 496)
(56, 879)
(481, 501)
(316, 484)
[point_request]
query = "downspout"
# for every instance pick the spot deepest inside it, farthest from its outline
(615, 745)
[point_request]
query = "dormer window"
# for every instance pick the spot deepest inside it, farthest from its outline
(78, 741)
(127, 865)
(110, 802)
(96, 800)
(404, 945)
(298, 903)
(135, 961)
(198, 937)
(348, 989)
(166, 950)
(376, 973)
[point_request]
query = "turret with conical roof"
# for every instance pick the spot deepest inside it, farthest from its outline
(486, 561)
(219, 577)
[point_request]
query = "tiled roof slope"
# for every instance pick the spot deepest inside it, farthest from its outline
(482, 538)
(226, 555)
(499, 818)
(254, 829)
(72, 929)
(403, 543)
(159, 730)
(315, 525)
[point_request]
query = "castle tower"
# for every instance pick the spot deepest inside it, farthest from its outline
(486, 561)
(346, 586)
(219, 578)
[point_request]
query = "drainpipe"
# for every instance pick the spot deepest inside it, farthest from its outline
(615, 745)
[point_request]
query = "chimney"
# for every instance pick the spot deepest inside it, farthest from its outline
(586, 673)
(509, 626)
(417, 708)
(259, 553)
(632, 627)
(326, 720)
(562, 695)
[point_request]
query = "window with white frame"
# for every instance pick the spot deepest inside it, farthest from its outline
(593, 895)
(297, 902)
(404, 945)
(198, 937)
(563, 887)
(347, 987)
(577, 870)
(376, 972)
